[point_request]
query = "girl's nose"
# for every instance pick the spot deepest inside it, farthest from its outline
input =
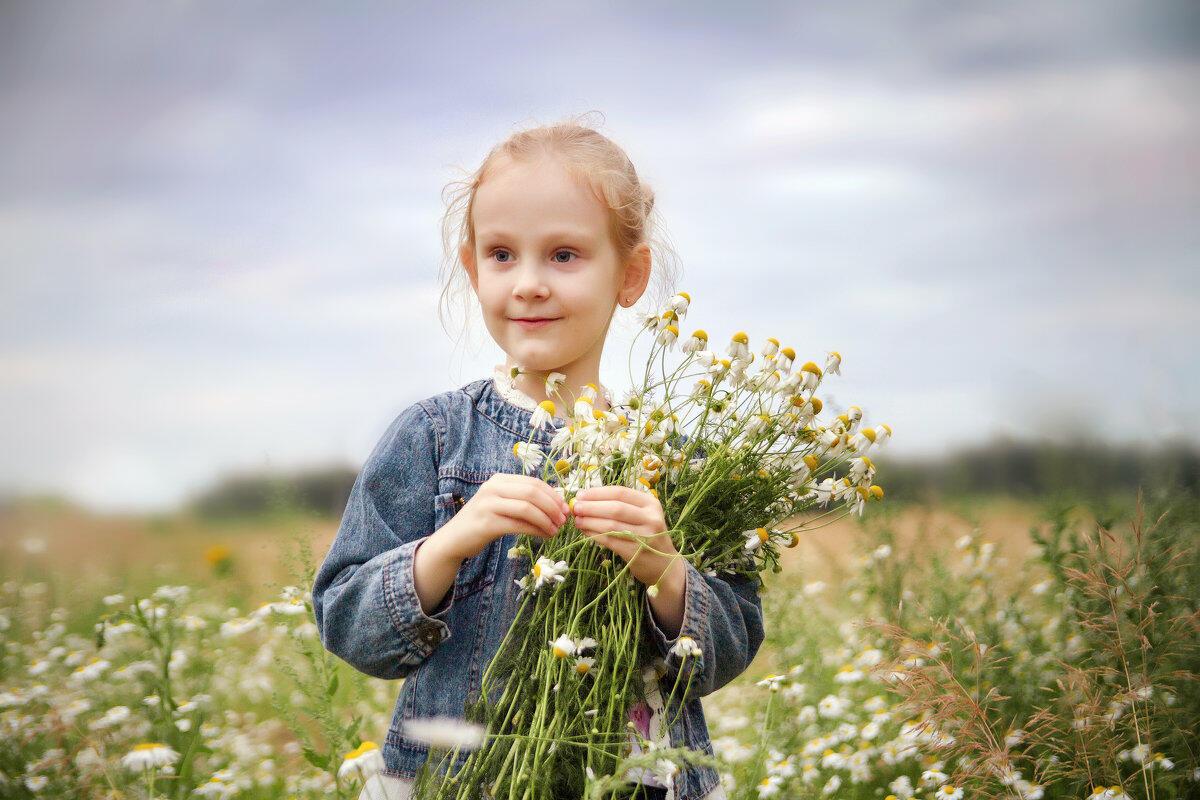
(530, 285)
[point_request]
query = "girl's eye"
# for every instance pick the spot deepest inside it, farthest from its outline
(498, 252)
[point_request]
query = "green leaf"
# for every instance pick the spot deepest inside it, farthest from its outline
(333, 684)
(318, 761)
(352, 729)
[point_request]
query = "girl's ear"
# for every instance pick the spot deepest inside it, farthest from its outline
(467, 256)
(637, 274)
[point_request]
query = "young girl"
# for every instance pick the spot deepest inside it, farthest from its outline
(419, 583)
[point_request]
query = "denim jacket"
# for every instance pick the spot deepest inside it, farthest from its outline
(431, 460)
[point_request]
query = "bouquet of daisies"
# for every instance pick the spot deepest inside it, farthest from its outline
(731, 445)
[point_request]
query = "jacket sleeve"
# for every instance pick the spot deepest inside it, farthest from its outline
(724, 618)
(364, 599)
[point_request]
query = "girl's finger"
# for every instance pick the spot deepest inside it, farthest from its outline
(513, 525)
(521, 509)
(605, 526)
(610, 492)
(610, 509)
(513, 485)
(541, 495)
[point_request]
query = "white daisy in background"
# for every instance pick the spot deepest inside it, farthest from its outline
(546, 571)
(584, 664)
(553, 381)
(542, 415)
(833, 363)
(35, 783)
(90, 671)
(1162, 762)
(933, 777)
(364, 760)
(529, 454)
(149, 755)
(446, 733)
(772, 682)
(563, 647)
(668, 335)
(949, 792)
(1030, 791)
(769, 786)
(216, 787)
(112, 717)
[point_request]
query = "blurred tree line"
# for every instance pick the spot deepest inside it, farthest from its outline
(1022, 469)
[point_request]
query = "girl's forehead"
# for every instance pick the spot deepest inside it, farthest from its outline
(543, 194)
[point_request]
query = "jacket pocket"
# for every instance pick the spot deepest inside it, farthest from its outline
(479, 571)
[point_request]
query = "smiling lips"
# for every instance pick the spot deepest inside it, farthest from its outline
(532, 323)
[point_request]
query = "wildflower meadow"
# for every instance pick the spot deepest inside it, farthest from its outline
(902, 659)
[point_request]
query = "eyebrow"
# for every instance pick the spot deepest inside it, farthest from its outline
(564, 233)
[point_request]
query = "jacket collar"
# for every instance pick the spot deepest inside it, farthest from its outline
(488, 401)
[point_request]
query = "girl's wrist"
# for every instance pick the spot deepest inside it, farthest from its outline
(445, 542)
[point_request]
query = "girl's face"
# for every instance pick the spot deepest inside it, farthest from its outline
(545, 269)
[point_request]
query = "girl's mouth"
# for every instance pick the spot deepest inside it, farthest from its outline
(533, 323)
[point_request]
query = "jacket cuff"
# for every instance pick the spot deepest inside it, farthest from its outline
(422, 632)
(695, 612)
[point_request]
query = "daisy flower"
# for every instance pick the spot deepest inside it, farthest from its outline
(685, 646)
(696, 342)
(149, 755)
(769, 786)
(771, 347)
(364, 760)
(529, 454)
(584, 664)
(215, 787)
(553, 381)
(679, 303)
(772, 682)
(810, 376)
(668, 335)
(542, 415)
(949, 792)
(756, 538)
(833, 363)
(546, 571)
(739, 345)
(563, 647)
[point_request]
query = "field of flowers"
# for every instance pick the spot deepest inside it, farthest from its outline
(1061, 664)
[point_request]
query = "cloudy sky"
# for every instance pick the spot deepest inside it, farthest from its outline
(219, 221)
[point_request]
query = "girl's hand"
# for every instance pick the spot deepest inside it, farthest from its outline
(504, 503)
(601, 509)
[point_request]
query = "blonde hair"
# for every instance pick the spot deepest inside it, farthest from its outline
(587, 154)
